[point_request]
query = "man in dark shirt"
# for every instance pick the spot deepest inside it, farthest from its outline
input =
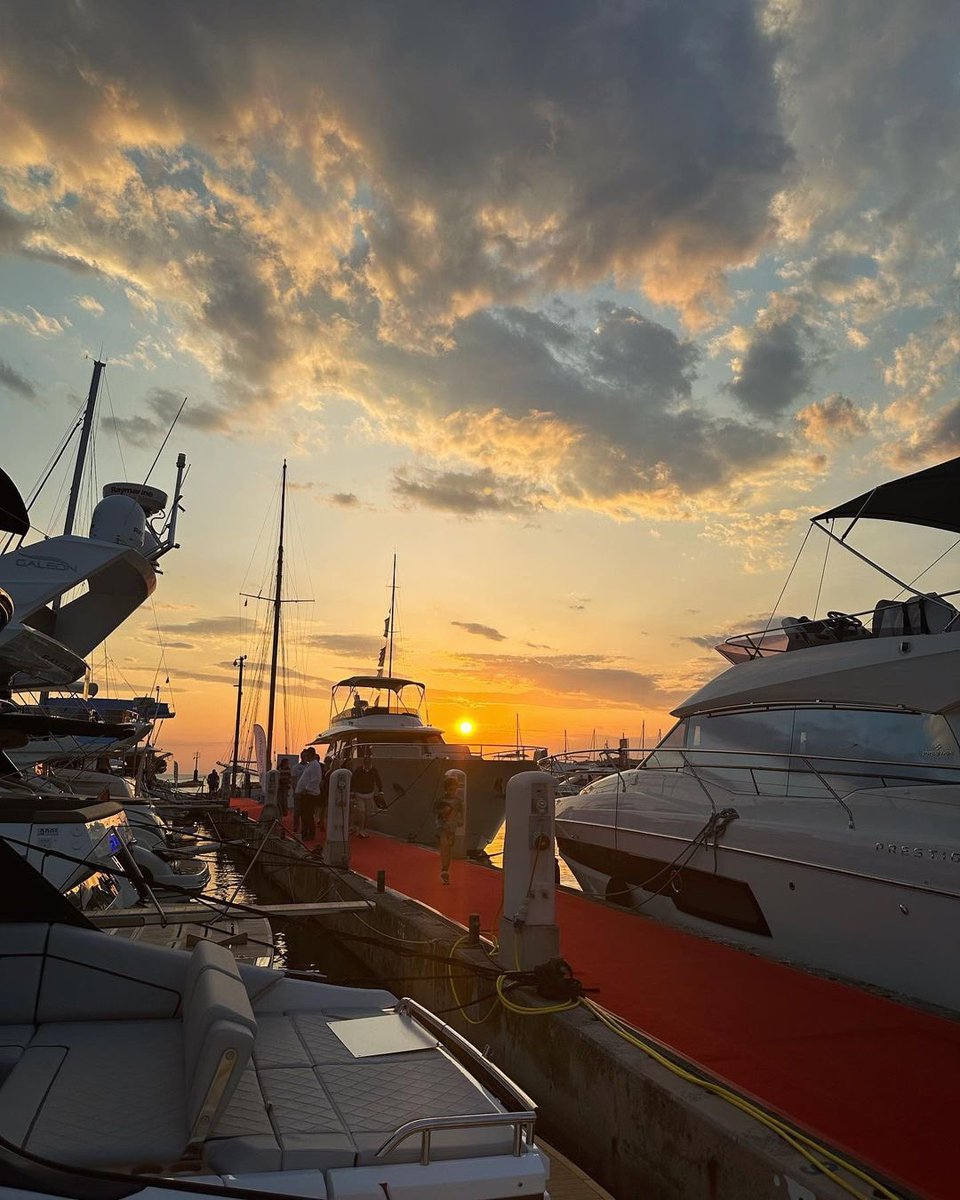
(365, 787)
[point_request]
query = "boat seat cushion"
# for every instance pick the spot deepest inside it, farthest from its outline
(131, 1092)
(85, 1094)
(90, 975)
(21, 963)
(307, 1103)
(13, 1041)
(218, 1035)
(207, 953)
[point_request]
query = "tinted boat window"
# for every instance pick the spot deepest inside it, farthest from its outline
(830, 741)
(915, 738)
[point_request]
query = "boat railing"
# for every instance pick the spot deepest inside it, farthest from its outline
(522, 1123)
(351, 712)
(500, 750)
(614, 757)
(520, 1112)
(435, 747)
(822, 767)
(835, 628)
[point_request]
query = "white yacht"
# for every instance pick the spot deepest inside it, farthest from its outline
(88, 848)
(130, 1070)
(167, 859)
(807, 802)
(388, 716)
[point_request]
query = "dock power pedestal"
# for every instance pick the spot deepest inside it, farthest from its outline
(529, 935)
(336, 850)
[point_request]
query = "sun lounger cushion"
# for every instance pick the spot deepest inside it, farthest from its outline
(86, 1095)
(307, 1103)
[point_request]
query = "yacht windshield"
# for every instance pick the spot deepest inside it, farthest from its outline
(785, 751)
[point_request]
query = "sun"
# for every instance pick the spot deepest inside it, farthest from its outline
(466, 727)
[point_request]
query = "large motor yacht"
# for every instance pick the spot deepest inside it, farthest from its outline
(385, 714)
(807, 802)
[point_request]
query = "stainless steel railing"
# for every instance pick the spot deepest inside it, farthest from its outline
(787, 763)
(522, 1123)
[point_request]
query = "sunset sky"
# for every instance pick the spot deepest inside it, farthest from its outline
(582, 309)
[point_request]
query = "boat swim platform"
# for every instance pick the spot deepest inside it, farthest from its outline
(871, 1078)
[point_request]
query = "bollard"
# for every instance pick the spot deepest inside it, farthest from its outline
(270, 811)
(336, 851)
(381, 881)
(473, 930)
(460, 838)
(528, 933)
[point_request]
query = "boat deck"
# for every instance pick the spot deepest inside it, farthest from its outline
(874, 1078)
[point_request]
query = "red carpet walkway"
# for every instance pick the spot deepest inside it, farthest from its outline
(874, 1078)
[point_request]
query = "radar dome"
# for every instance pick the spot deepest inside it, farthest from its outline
(119, 519)
(151, 499)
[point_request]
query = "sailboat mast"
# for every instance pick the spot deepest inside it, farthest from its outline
(393, 605)
(78, 475)
(277, 605)
(82, 448)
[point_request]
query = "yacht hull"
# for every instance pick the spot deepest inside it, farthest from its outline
(412, 785)
(780, 902)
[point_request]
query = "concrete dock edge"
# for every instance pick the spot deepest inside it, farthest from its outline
(624, 1119)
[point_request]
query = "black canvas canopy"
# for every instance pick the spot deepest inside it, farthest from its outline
(930, 497)
(13, 511)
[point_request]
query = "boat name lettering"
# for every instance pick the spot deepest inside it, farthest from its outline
(930, 852)
(43, 562)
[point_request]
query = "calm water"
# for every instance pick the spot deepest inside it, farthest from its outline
(300, 945)
(495, 850)
(303, 946)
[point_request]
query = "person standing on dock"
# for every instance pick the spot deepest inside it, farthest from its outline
(295, 772)
(306, 794)
(365, 787)
(448, 810)
(213, 782)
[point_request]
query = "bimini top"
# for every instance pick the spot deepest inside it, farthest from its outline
(927, 497)
(392, 684)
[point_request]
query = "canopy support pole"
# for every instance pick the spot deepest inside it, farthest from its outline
(907, 587)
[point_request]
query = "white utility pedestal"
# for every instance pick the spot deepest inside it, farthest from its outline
(336, 850)
(460, 837)
(271, 788)
(528, 933)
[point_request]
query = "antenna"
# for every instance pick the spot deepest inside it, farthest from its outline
(393, 609)
(165, 440)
